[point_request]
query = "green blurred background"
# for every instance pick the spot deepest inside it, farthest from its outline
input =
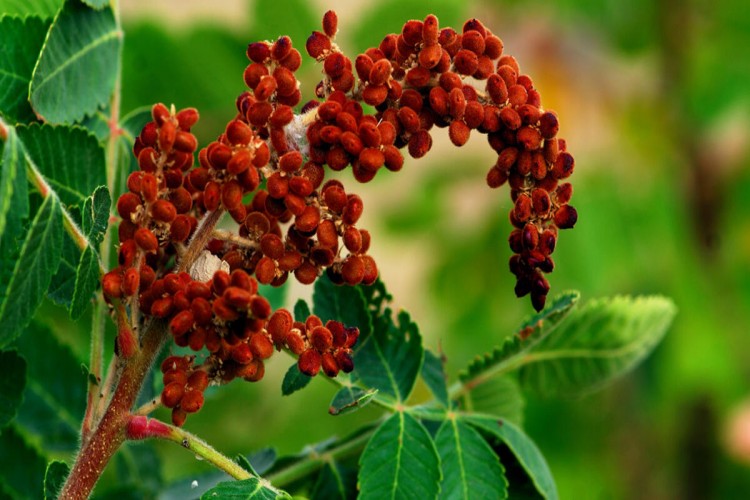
(654, 102)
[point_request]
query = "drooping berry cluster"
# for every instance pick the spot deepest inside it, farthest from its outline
(267, 171)
(427, 77)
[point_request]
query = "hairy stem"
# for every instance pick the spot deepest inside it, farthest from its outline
(109, 434)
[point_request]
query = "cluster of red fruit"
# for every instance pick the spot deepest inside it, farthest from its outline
(429, 77)
(267, 171)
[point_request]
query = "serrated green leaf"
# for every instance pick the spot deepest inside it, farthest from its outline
(376, 295)
(499, 397)
(301, 310)
(23, 8)
(294, 380)
(524, 449)
(434, 376)
(54, 478)
(243, 462)
(597, 343)
(350, 399)
(399, 461)
(12, 385)
(22, 40)
(78, 65)
(335, 481)
(247, 489)
(69, 158)
(470, 468)
(55, 397)
(96, 215)
(341, 303)
(31, 276)
(532, 331)
(390, 359)
(14, 196)
(22, 469)
(87, 281)
(64, 281)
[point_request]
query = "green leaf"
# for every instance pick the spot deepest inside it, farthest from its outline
(14, 196)
(12, 384)
(96, 215)
(294, 380)
(597, 343)
(64, 281)
(301, 310)
(434, 376)
(54, 478)
(96, 4)
(24, 8)
(399, 461)
(335, 481)
(139, 468)
(376, 295)
(31, 276)
(350, 399)
(499, 397)
(69, 158)
(341, 303)
(87, 281)
(243, 462)
(76, 71)
(524, 449)
(55, 397)
(471, 469)
(247, 489)
(22, 40)
(532, 331)
(21, 466)
(390, 359)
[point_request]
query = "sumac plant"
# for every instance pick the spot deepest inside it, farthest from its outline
(177, 247)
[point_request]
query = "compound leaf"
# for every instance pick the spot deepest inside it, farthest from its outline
(12, 384)
(471, 469)
(22, 40)
(87, 280)
(597, 343)
(434, 376)
(32, 274)
(76, 70)
(499, 397)
(14, 195)
(399, 461)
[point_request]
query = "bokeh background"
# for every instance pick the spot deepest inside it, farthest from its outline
(654, 102)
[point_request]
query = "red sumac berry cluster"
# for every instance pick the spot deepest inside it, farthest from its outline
(267, 170)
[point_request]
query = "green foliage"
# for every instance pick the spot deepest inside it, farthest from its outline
(499, 396)
(523, 448)
(12, 385)
(294, 380)
(54, 478)
(24, 8)
(390, 359)
(14, 202)
(433, 374)
(400, 461)
(349, 399)
(69, 158)
(247, 489)
(31, 276)
(343, 304)
(470, 467)
(534, 329)
(55, 396)
(335, 481)
(596, 343)
(22, 469)
(78, 64)
(22, 40)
